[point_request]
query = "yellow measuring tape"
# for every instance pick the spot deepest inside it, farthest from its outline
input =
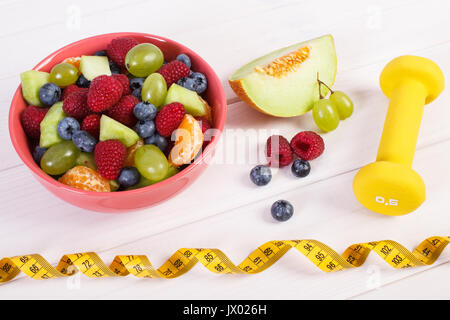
(325, 258)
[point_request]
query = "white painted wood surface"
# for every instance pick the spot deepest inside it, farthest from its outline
(234, 216)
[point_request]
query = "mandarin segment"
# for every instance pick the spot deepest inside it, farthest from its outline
(84, 178)
(188, 142)
(131, 151)
(75, 61)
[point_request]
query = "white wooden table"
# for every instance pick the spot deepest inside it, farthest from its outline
(234, 215)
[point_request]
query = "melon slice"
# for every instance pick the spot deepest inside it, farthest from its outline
(111, 129)
(284, 83)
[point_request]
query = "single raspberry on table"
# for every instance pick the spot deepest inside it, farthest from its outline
(109, 157)
(122, 111)
(31, 119)
(118, 48)
(125, 82)
(169, 118)
(307, 145)
(91, 124)
(104, 92)
(278, 151)
(174, 71)
(69, 90)
(76, 104)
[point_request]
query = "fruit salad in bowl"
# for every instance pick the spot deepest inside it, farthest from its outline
(118, 121)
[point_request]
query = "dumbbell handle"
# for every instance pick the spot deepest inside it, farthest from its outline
(401, 127)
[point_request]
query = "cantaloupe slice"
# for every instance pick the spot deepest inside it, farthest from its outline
(284, 83)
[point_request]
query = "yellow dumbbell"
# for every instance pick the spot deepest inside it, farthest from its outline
(389, 185)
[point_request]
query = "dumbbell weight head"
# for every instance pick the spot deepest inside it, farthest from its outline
(389, 188)
(413, 67)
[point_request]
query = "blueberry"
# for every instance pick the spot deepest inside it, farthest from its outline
(201, 83)
(158, 141)
(145, 128)
(84, 141)
(67, 127)
(115, 69)
(82, 82)
(49, 94)
(301, 168)
(145, 111)
(101, 53)
(136, 83)
(282, 210)
(185, 59)
(38, 153)
(187, 83)
(128, 176)
(261, 175)
(137, 93)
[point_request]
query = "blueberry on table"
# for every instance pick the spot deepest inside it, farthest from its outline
(49, 94)
(282, 210)
(185, 59)
(84, 141)
(67, 127)
(145, 111)
(158, 141)
(261, 175)
(128, 176)
(300, 168)
(145, 128)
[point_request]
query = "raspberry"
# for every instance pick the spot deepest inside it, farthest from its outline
(125, 82)
(31, 119)
(174, 71)
(104, 92)
(109, 157)
(278, 151)
(69, 90)
(118, 48)
(76, 106)
(122, 111)
(307, 145)
(169, 118)
(91, 124)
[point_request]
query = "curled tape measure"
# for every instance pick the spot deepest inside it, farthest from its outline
(325, 258)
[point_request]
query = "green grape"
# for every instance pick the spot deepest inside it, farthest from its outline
(343, 103)
(144, 59)
(64, 74)
(87, 160)
(60, 158)
(325, 115)
(154, 89)
(144, 182)
(151, 162)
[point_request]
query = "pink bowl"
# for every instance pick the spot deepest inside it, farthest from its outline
(125, 200)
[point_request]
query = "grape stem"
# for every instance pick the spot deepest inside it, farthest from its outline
(322, 83)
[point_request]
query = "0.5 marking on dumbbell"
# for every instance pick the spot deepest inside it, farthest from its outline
(390, 202)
